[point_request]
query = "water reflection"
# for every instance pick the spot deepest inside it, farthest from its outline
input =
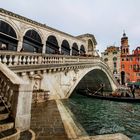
(106, 117)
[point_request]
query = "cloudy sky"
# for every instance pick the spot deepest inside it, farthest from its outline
(106, 19)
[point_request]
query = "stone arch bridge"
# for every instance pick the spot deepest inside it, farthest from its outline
(35, 58)
(58, 75)
(60, 79)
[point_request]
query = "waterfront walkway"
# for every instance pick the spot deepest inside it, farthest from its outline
(46, 121)
(47, 124)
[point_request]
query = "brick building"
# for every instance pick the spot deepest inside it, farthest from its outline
(130, 63)
(124, 66)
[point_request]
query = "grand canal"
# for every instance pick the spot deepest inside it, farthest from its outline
(105, 117)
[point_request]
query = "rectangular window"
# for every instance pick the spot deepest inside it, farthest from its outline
(137, 74)
(122, 65)
(115, 65)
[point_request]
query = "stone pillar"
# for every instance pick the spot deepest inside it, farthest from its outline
(21, 106)
(20, 44)
(44, 46)
(71, 51)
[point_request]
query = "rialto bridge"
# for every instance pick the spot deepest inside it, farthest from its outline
(37, 58)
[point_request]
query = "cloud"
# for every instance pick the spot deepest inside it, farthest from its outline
(106, 19)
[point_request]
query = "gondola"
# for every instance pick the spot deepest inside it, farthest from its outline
(90, 94)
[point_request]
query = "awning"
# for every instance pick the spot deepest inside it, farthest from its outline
(135, 83)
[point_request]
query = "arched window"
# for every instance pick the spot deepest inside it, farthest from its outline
(127, 50)
(114, 71)
(82, 50)
(115, 65)
(90, 45)
(114, 58)
(106, 60)
(123, 50)
(32, 42)
(8, 37)
(75, 50)
(65, 48)
(52, 45)
(122, 77)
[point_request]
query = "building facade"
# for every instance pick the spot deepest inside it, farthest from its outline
(18, 33)
(130, 63)
(124, 66)
(111, 56)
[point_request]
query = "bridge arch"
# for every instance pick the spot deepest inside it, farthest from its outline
(99, 74)
(32, 42)
(52, 46)
(8, 36)
(82, 50)
(90, 45)
(65, 47)
(75, 50)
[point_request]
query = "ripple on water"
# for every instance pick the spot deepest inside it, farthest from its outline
(106, 117)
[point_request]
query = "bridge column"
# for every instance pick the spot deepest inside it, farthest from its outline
(20, 44)
(21, 107)
(44, 46)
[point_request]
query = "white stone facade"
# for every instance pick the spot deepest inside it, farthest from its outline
(21, 25)
(112, 58)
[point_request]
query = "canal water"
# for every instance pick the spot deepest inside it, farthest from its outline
(105, 117)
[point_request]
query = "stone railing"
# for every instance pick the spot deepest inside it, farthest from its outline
(40, 96)
(22, 58)
(18, 96)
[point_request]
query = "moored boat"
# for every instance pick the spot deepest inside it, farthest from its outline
(111, 97)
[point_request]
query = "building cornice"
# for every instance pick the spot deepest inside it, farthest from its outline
(88, 35)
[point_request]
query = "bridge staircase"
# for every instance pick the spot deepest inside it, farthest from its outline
(16, 93)
(7, 129)
(14, 125)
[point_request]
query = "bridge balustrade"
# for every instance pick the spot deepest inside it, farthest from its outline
(17, 95)
(23, 58)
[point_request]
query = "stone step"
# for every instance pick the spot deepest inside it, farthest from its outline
(4, 111)
(2, 108)
(10, 134)
(6, 126)
(1, 103)
(4, 116)
(27, 135)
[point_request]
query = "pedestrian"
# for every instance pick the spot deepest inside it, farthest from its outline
(133, 90)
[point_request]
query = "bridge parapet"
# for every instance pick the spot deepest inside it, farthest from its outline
(20, 58)
(17, 94)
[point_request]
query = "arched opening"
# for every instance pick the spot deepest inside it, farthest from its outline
(106, 60)
(65, 48)
(82, 50)
(93, 82)
(52, 45)
(90, 46)
(32, 42)
(75, 50)
(123, 78)
(114, 58)
(8, 37)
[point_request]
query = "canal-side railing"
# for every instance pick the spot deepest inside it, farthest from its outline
(22, 58)
(17, 94)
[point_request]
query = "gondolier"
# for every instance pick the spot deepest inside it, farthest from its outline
(102, 88)
(133, 90)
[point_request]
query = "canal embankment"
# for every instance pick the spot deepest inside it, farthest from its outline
(53, 121)
(76, 132)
